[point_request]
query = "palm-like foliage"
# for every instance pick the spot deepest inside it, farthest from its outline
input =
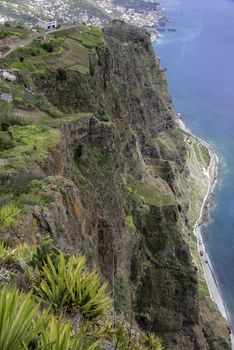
(67, 286)
(19, 323)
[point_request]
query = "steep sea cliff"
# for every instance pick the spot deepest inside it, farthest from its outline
(204, 95)
(108, 173)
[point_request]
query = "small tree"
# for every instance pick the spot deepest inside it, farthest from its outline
(48, 47)
(61, 74)
(5, 126)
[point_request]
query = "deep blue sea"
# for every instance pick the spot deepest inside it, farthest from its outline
(199, 58)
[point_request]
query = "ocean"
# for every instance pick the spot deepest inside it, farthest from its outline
(199, 58)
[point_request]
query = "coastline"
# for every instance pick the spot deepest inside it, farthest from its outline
(208, 270)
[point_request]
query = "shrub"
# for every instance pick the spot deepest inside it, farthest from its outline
(152, 342)
(48, 47)
(61, 74)
(5, 126)
(19, 321)
(4, 35)
(34, 198)
(11, 120)
(8, 215)
(6, 141)
(29, 199)
(67, 286)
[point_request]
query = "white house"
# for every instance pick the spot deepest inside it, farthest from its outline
(47, 24)
(2, 20)
(8, 76)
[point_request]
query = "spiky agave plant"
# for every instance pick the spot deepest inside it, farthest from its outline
(19, 321)
(67, 286)
(152, 342)
(45, 248)
(8, 215)
(58, 335)
(7, 255)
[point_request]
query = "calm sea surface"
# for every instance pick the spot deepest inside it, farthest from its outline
(199, 58)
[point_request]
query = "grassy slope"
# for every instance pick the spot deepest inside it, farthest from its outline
(31, 122)
(6, 32)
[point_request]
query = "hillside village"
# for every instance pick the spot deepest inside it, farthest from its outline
(69, 11)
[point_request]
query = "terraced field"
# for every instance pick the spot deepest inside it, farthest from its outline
(67, 48)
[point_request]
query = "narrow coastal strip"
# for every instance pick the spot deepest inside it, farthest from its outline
(209, 274)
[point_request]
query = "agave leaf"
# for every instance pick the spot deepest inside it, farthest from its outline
(19, 321)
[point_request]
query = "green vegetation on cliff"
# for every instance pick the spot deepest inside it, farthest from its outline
(79, 316)
(65, 49)
(10, 31)
(91, 155)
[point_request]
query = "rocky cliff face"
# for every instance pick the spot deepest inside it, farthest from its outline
(118, 184)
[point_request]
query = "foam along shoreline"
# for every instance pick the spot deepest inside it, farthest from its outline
(211, 280)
